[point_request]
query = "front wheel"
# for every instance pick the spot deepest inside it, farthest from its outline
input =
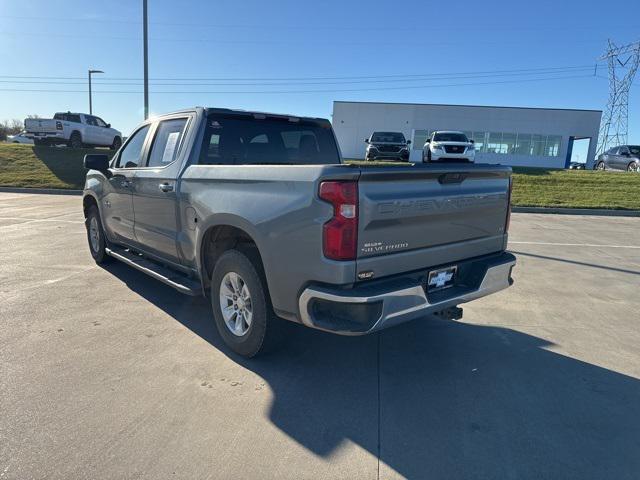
(633, 167)
(96, 237)
(600, 166)
(241, 305)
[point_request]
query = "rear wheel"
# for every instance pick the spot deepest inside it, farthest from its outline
(75, 141)
(96, 237)
(600, 166)
(241, 305)
(633, 167)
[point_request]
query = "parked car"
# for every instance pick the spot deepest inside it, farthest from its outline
(448, 146)
(623, 157)
(387, 146)
(257, 212)
(19, 138)
(576, 166)
(75, 130)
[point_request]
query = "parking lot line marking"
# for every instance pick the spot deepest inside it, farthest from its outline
(576, 245)
(29, 220)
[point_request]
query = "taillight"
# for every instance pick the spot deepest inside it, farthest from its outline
(58, 125)
(506, 225)
(340, 234)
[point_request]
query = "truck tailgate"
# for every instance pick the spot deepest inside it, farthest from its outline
(39, 125)
(422, 216)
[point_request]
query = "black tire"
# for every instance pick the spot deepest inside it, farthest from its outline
(600, 166)
(429, 155)
(97, 248)
(117, 143)
(264, 333)
(75, 141)
(633, 167)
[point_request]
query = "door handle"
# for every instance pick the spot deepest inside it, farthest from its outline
(166, 187)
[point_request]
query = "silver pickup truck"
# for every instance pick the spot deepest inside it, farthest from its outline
(257, 212)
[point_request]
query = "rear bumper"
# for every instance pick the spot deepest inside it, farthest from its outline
(45, 135)
(385, 303)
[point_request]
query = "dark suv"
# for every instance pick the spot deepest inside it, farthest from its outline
(388, 146)
(623, 157)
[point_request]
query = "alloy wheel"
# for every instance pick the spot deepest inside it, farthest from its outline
(235, 304)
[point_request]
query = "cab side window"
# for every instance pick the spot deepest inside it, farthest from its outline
(130, 156)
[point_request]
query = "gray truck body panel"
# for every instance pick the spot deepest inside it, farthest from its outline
(410, 218)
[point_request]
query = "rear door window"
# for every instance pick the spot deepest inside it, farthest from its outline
(166, 143)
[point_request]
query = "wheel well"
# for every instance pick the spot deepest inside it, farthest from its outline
(87, 202)
(221, 238)
(75, 131)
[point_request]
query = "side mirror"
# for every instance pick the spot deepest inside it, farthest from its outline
(428, 140)
(96, 161)
(366, 140)
(108, 125)
(472, 141)
(408, 142)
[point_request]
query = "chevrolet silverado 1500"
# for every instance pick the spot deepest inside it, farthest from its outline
(257, 212)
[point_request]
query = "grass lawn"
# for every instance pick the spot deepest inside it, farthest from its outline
(43, 167)
(51, 167)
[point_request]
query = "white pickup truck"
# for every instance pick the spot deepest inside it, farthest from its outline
(75, 130)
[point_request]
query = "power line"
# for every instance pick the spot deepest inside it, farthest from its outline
(416, 76)
(289, 83)
(245, 92)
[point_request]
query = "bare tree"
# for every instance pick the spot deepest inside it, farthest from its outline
(34, 115)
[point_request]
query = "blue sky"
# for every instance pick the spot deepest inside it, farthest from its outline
(448, 43)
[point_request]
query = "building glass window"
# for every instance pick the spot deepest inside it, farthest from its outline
(494, 143)
(552, 148)
(523, 144)
(479, 139)
(509, 142)
(537, 145)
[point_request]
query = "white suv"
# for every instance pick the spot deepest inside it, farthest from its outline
(448, 146)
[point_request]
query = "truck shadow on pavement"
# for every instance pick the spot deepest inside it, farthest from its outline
(438, 399)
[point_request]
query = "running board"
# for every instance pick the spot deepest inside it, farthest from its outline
(182, 283)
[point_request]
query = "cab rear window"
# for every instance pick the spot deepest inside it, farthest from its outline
(252, 140)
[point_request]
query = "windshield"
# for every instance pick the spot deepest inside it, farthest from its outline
(634, 149)
(245, 140)
(387, 137)
(450, 137)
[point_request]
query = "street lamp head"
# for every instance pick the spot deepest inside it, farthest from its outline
(96, 71)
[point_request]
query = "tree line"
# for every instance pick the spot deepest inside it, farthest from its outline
(12, 127)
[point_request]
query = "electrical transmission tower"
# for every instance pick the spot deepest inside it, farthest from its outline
(622, 62)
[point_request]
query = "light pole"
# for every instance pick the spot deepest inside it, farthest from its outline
(90, 106)
(146, 57)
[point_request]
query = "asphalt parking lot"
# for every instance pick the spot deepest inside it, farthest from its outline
(106, 373)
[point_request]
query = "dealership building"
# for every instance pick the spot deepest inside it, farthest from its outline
(531, 137)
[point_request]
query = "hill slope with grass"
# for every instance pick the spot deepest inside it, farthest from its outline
(43, 167)
(51, 167)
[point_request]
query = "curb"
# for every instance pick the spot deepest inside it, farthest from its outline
(47, 191)
(578, 211)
